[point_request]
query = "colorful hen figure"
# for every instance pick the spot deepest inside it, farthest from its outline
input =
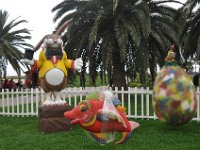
(102, 116)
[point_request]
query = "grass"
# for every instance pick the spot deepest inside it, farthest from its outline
(22, 133)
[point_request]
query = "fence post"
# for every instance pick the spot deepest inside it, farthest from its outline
(37, 100)
(198, 104)
(22, 102)
(81, 93)
(12, 102)
(70, 96)
(129, 102)
(142, 101)
(32, 92)
(17, 102)
(135, 98)
(122, 96)
(147, 103)
(3, 101)
(8, 102)
(116, 92)
(75, 97)
(27, 107)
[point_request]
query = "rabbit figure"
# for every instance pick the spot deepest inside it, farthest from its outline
(52, 65)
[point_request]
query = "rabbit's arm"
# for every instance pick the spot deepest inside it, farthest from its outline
(68, 62)
(38, 63)
(73, 64)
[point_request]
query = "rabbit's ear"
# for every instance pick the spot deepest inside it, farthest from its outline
(40, 43)
(58, 32)
(62, 27)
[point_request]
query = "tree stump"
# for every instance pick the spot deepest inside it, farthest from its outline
(51, 118)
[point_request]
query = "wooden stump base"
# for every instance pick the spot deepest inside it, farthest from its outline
(51, 118)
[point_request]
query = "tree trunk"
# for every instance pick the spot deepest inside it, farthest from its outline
(104, 75)
(110, 76)
(4, 73)
(119, 79)
(142, 61)
(1, 74)
(152, 67)
(93, 76)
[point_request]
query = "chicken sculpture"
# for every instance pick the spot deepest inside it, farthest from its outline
(102, 116)
(52, 64)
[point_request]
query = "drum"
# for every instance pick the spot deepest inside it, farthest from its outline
(54, 80)
(54, 76)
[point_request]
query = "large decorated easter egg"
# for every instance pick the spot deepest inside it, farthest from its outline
(174, 95)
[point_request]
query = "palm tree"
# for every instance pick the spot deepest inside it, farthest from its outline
(76, 39)
(165, 29)
(3, 64)
(106, 21)
(132, 34)
(190, 37)
(12, 41)
(166, 23)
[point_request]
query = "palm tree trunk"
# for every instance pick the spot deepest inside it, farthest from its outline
(119, 79)
(143, 50)
(153, 73)
(110, 76)
(1, 74)
(4, 73)
(152, 67)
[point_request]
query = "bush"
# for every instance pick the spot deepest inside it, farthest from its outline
(139, 85)
(135, 84)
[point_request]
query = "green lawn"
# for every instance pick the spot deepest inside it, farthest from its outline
(23, 134)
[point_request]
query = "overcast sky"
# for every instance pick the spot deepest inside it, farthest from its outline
(37, 13)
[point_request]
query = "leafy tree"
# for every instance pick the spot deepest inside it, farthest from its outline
(12, 40)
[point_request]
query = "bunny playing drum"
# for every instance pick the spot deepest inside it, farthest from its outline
(53, 64)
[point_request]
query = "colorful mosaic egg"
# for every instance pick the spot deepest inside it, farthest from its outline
(174, 95)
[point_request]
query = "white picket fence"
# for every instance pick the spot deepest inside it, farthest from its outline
(137, 101)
